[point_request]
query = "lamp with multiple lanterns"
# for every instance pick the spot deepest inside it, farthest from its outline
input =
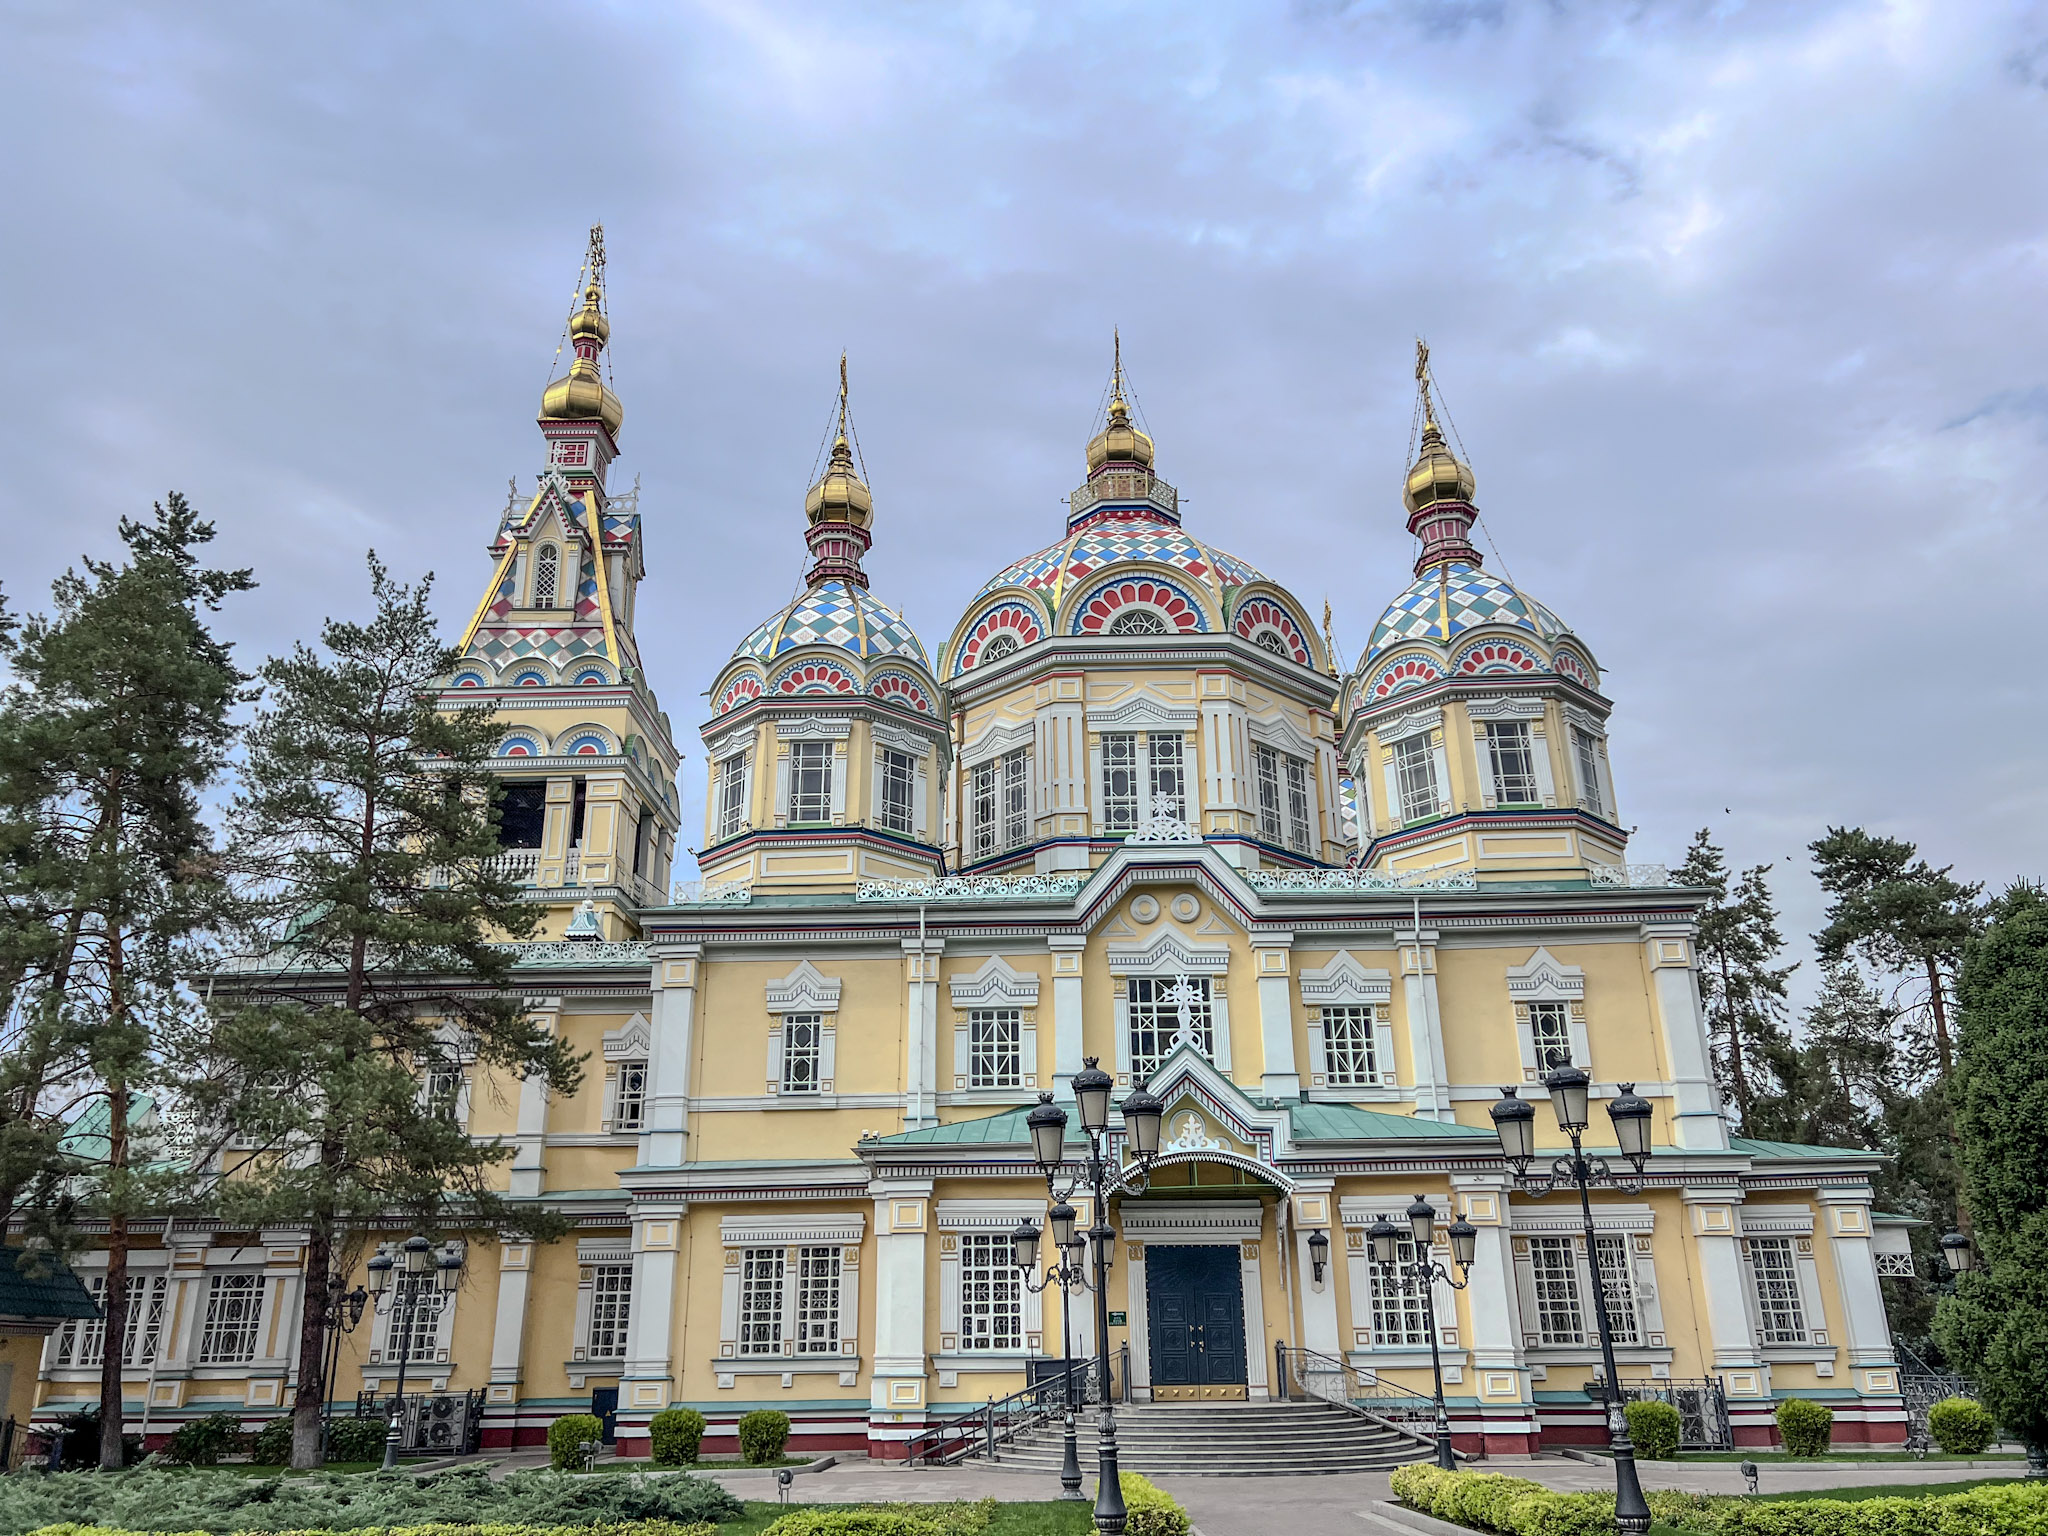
(1069, 1271)
(344, 1311)
(416, 1259)
(1424, 1271)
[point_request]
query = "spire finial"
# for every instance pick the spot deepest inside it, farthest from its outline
(1116, 372)
(1329, 640)
(1423, 381)
(582, 391)
(842, 395)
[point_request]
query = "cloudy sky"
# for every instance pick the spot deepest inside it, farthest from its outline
(1738, 309)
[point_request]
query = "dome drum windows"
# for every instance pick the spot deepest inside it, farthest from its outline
(1114, 608)
(811, 783)
(999, 804)
(1141, 778)
(547, 576)
(1272, 628)
(731, 795)
(899, 792)
(1415, 777)
(1285, 817)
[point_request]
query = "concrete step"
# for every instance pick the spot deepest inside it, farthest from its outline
(1224, 1440)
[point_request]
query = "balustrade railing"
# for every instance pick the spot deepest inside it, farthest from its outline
(984, 1431)
(1310, 1374)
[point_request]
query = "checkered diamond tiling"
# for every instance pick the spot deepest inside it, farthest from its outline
(834, 613)
(1465, 597)
(1124, 539)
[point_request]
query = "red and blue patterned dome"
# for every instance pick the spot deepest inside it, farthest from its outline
(1446, 600)
(1122, 538)
(836, 613)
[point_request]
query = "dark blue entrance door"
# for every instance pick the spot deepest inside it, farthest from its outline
(1194, 1297)
(604, 1402)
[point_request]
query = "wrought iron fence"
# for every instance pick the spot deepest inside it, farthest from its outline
(1306, 1373)
(1702, 1409)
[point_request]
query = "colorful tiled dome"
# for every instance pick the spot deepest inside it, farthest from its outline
(1446, 600)
(1114, 539)
(836, 613)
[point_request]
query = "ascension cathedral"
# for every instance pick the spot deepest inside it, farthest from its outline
(937, 881)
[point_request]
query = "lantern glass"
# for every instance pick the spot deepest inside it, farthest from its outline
(419, 1255)
(380, 1268)
(1142, 1114)
(1105, 1244)
(1631, 1114)
(1464, 1242)
(1048, 1123)
(1960, 1252)
(1571, 1092)
(357, 1300)
(1024, 1245)
(451, 1269)
(1091, 1095)
(1318, 1252)
(1422, 1223)
(1062, 1219)
(1515, 1119)
(1386, 1241)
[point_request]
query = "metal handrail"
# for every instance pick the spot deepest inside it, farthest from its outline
(1327, 1379)
(999, 1420)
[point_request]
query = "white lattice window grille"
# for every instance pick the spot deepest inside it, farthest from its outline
(82, 1340)
(817, 1300)
(897, 808)
(997, 648)
(1349, 1049)
(1167, 781)
(1266, 769)
(1272, 640)
(1415, 777)
(442, 1091)
(1137, 621)
(1586, 750)
(1781, 1313)
(760, 1329)
(1154, 1019)
(1560, 1303)
(629, 1107)
(1896, 1266)
(995, 1055)
(1398, 1318)
(1144, 777)
(810, 782)
(414, 1324)
(803, 1041)
(1300, 827)
(1618, 1286)
(1120, 797)
(729, 796)
(1512, 757)
(991, 1293)
(1001, 803)
(234, 1314)
(1550, 1029)
(611, 1306)
(547, 575)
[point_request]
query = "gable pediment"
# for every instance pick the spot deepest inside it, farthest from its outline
(1169, 952)
(804, 990)
(995, 984)
(1544, 978)
(1343, 981)
(631, 1041)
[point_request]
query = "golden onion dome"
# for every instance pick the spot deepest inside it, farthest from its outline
(581, 396)
(1119, 442)
(1438, 475)
(840, 496)
(590, 320)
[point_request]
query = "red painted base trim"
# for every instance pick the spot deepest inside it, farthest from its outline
(1499, 1445)
(1760, 1435)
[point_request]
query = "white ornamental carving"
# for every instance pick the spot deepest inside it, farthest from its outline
(1164, 829)
(1191, 1134)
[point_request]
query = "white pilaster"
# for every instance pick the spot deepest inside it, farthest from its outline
(1866, 1333)
(672, 1024)
(921, 1034)
(1314, 1201)
(1697, 1123)
(1280, 1078)
(1066, 1012)
(1716, 1239)
(1425, 1023)
(1493, 1317)
(529, 1136)
(508, 1324)
(648, 1381)
(903, 1218)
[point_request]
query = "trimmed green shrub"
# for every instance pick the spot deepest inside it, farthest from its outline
(1961, 1426)
(202, 1442)
(676, 1435)
(271, 1446)
(356, 1439)
(1805, 1427)
(852, 1522)
(764, 1434)
(1153, 1511)
(638, 1528)
(567, 1434)
(1654, 1428)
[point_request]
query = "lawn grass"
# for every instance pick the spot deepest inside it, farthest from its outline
(1850, 1458)
(1055, 1517)
(1886, 1491)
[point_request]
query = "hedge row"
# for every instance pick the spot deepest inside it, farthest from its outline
(636, 1528)
(1515, 1506)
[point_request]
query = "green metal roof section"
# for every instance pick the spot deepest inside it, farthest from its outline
(37, 1286)
(1347, 1122)
(1768, 1151)
(1005, 1129)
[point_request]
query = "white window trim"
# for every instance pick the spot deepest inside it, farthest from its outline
(718, 830)
(1357, 1213)
(1344, 982)
(632, 1042)
(805, 990)
(1634, 1223)
(994, 1217)
(381, 1352)
(1168, 954)
(790, 1231)
(590, 1255)
(1141, 768)
(1543, 978)
(1796, 1223)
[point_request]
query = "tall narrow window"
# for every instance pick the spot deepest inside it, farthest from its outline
(1397, 1315)
(898, 800)
(991, 1293)
(83, 1340)
(1550, 1029)
(1588, 750)
(1554, 1269)
(1299, 825)
(802, 1051)
(810, 781)
(1154, 1020)
(1349, 1055)
(761, 1301)
(1283, 799)
(523, 814)
(629, 1108)
(730, 796)
(234, 1311)
(1781, 1315)
(1119, 783)
(1266, 765)
(817, 1300)
(418, 1301)
(1511, 755)
(994, 1048)
(611, 1304)
(1168, 781)
(1000, 803)
(547, 575)
(442, 1091)
(1415, 777)
(1016, 800)
(1618, 1286)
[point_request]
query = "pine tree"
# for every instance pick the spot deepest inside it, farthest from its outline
(364, 837)
(117, 720)
(1995, 1326)
(1741, 987)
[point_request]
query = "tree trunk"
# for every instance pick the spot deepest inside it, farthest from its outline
(113, 1354)
(1939, 1006)
(309, 1406)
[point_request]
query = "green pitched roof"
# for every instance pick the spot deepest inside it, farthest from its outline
(1768, 1150)
(1347, 1122)
(51, 1294)
(1005, 1129)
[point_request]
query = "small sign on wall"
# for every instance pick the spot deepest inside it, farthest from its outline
(1116, 1320)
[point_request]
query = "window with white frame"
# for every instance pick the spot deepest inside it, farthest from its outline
(803, 1051)
(1349, 1054)
(1166, 779)
(442, 1091)
(995, 1056)
(1398, 1318)
(760, 1329)
(547, 575)
(1000, 801)
(729, 797)
(1511, 754)
(629, 1104)
(1560, 1303)
(818, 1274)
(234, 1315)
(1587, 749)
(810, 781)
(611, 1305)
(1143, 777)
(1618, 1286)
(1153, 1020)
(991, 1293)
(1550, 1029)
(83, 1339)
(1415, 777)
(896, 806)
(1120, 795)
(1781, 1313)
(417, 1302)
(1283, 799)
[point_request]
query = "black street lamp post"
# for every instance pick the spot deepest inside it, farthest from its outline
(1070, 1274)
(1570, 1091)
(344, 1311)
(404, 1302)
(1424, 1271)
(1048, 1123)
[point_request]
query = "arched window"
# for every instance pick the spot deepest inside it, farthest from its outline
(998, 648)
(1272, 640)
(1137, 621)
(547, 568)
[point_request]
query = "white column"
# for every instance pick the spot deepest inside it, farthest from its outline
(1314, 1202)
(1280, 1079)
(508, 1337)
(648, 1380)
(1258, 1377)
(529, 1135)
(1425, 1023)
(903, 1217)
(1493, 1317)
(921, 1035)
(1066, 1012)
(1717, 1240)
(1696, 1103)
(672, 1024)
(1138, 1310)
(1866, 1333)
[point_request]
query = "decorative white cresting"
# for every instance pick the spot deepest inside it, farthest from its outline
(1191, 1134)
(1164, 829)
(1630, 874)
(968, 888)
(1284, 880)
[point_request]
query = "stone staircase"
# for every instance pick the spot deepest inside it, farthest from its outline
(1221, 1440)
